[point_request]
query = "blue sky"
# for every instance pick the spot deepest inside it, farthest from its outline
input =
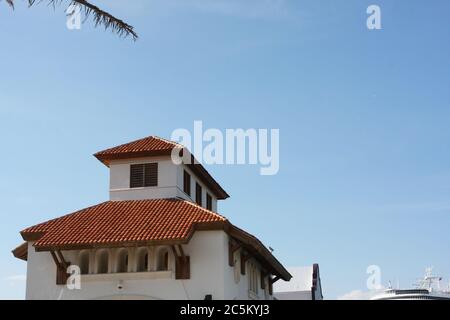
(363, 116)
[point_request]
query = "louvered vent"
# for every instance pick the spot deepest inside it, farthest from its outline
(143, 175)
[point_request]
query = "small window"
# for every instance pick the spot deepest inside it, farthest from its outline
(187, 183)
(198, 194)
(143, 175)
(208, 202)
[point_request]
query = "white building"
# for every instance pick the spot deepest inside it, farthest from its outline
(304, 285)
(159, 237)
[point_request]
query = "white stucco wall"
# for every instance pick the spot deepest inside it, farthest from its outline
(296, 295)
(237, 288)
(208, 262)
(170, 182)
(210, 274)
(120, 180)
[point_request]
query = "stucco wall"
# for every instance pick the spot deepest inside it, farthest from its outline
(295, 295)
(170, 182)
(237, 288)
(120, 180)
(207, 276)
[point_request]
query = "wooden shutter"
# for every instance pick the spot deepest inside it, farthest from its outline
(198, 194)
(143, 175)
(151, 175)
(208, 201)
(136, 176)
(183, 268)
(187, 183)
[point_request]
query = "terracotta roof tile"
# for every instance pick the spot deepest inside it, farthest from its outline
(148, 144)
(138, 222)
(118, 222)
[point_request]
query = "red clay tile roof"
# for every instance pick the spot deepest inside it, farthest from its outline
(138, 222)
(156, 146)
(122, 222)
(143, 146)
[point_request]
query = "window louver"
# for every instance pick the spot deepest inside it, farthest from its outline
(198, 194)
(150, 174)
(143, 175)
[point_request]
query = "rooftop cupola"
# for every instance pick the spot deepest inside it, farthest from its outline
(143, 169)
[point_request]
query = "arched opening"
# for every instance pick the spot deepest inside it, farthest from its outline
(142, 260)
(84, 262)
(163, 260)
(122, 261)
(102, 262)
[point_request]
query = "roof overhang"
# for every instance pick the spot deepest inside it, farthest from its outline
(250, 243)
(21, 252)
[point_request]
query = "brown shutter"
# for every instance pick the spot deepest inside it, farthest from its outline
(187, 183)
(183, 268)
(136, 176)
(208, 201)
(143, 175)
(198, 194)
(151, 175)
(61, 275)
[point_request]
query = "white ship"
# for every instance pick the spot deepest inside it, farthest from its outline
(428, 288)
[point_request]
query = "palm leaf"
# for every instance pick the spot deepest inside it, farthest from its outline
(100, 17)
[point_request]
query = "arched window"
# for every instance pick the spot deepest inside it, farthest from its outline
(122, 261)
(102, 261)
(163, 260)
(142, 260)
(84, 262)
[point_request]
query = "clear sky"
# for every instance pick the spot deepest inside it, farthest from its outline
(363, 116)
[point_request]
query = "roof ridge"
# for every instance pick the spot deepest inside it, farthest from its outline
(169, 141)
(206, 210)
(132, 142)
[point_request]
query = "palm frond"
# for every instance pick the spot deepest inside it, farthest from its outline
(100, 17)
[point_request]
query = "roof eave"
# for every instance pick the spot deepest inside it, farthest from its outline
(21, 252)
(270, 259)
